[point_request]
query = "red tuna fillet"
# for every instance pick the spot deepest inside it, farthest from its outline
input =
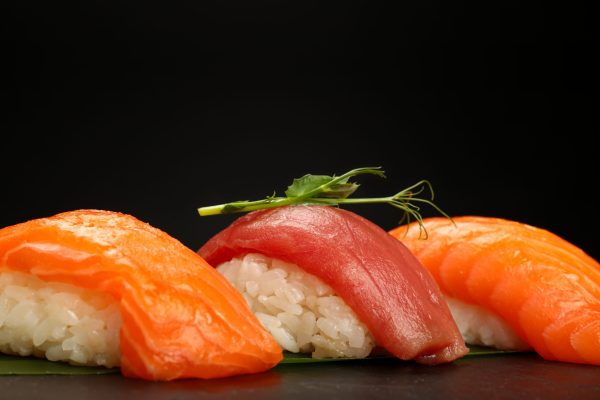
(377, 276)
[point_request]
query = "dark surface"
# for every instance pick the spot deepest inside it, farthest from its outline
(523, 376)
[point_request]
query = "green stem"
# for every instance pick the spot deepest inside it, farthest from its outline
(211, 210)
(245, 206)
(336, 180)
(365, 201)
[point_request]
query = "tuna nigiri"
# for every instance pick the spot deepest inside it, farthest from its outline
(327, 281)
(514, 286)
(102, 288)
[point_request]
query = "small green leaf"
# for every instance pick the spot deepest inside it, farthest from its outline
(306, 184)
(339, 191)
(14, 365)
(475, 350)
(306, 358)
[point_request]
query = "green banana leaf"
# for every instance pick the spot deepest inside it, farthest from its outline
(13, 365)
(298, 358)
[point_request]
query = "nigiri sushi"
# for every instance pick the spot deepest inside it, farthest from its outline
(94, 287)
(513, 286)
(328, 282)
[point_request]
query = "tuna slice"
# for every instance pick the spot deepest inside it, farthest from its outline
(377, 276)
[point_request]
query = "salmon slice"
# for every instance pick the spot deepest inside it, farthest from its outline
(544, 287)
(376, 276)
(181, 318)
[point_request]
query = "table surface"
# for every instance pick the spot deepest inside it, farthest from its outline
(514, 376)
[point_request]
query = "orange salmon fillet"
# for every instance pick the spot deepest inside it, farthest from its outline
(181, 318)
(545, 288)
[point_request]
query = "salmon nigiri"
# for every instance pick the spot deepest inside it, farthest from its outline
(102, 288)
(328, 282)
(514, 286)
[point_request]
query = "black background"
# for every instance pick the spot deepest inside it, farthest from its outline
(156, 109)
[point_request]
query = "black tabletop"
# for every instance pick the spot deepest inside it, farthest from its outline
(517, 376)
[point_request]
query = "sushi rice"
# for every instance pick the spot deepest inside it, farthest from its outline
(62, 322)
(301, 312)
(58, 321)
(483, 327)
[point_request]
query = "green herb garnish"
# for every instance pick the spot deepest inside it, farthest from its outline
(334, 191)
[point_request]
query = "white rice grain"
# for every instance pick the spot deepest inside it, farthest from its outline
(57, 321)
(301, 312)
(482, 327)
